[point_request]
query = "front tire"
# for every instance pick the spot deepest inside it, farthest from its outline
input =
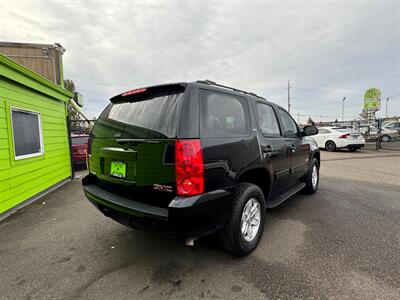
(330, 146)
(312, 177)
(244, 229)
(385, 138)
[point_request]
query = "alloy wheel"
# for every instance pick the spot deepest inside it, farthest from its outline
(314, 177)
(250, 221)
(330, 146)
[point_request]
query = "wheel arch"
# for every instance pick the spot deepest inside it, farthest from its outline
(330, 140)
(260, 177)
(317, 156)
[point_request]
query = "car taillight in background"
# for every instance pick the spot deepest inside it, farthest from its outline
(344, 136)
(189, 167)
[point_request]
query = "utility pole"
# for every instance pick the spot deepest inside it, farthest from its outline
(343, 109)
(387, 100)
(288, 96)
(298, 118)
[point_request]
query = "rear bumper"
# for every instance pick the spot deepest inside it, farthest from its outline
(355, 145)
(184, 217)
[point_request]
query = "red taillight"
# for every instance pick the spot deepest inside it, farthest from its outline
(189, 167)
(344, 136)
(133, 92)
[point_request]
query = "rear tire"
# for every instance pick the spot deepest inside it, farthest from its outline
(312, 177)
(330, 146)
(241, 234)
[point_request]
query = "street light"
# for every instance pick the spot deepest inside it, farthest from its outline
(344, 98)
(387, 100)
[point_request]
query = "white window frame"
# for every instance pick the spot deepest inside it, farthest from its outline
(41, 152)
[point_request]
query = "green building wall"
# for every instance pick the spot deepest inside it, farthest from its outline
(23, 179)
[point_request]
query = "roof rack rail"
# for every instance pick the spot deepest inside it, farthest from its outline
(209, 82)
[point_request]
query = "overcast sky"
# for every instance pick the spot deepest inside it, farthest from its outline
(328, 49)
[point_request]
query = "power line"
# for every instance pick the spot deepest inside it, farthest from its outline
(320, 116)
(322, 85)
(327, 85)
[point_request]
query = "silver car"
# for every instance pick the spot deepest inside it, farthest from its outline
(386, 134)
(392, 126)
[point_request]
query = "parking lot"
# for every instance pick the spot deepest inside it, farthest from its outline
(342, 242)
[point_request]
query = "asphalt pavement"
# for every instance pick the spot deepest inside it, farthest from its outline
(341, 243)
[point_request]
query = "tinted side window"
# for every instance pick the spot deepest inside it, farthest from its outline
(223, 115)
(289, 126)
(267, 119)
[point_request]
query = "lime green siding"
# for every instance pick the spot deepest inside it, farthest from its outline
(25, 178)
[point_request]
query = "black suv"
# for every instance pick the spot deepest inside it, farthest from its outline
(199, 158)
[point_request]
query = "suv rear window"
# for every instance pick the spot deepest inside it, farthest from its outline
(223, 115)
(151, 118)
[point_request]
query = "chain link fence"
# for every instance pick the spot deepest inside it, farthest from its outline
(79, 131)
(377, 136)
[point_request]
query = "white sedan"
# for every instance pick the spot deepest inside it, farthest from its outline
(331, 138)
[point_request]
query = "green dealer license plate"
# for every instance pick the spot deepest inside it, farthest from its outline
(118, 169)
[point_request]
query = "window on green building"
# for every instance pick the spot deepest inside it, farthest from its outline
(27, 133)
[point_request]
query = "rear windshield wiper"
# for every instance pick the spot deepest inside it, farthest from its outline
(136, 141)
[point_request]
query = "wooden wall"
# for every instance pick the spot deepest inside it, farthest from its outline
(34, 58)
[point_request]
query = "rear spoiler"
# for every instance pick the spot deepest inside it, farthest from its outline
(149, 92)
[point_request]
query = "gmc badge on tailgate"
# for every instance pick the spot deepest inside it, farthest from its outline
(162, 188)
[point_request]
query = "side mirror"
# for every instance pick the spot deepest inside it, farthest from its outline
(310, 130)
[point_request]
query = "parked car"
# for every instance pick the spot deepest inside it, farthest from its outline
(392, 126)
(364, 129)
(333, 138)
(386, 134)
(198, 158)
(79, 148)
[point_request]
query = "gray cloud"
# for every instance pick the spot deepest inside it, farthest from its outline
(328, 50)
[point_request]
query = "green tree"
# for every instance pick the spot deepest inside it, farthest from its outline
(72, 113)
(77, 122)
(69, 85)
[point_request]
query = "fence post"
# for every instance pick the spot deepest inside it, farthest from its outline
(70, 148)
(379, 135)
